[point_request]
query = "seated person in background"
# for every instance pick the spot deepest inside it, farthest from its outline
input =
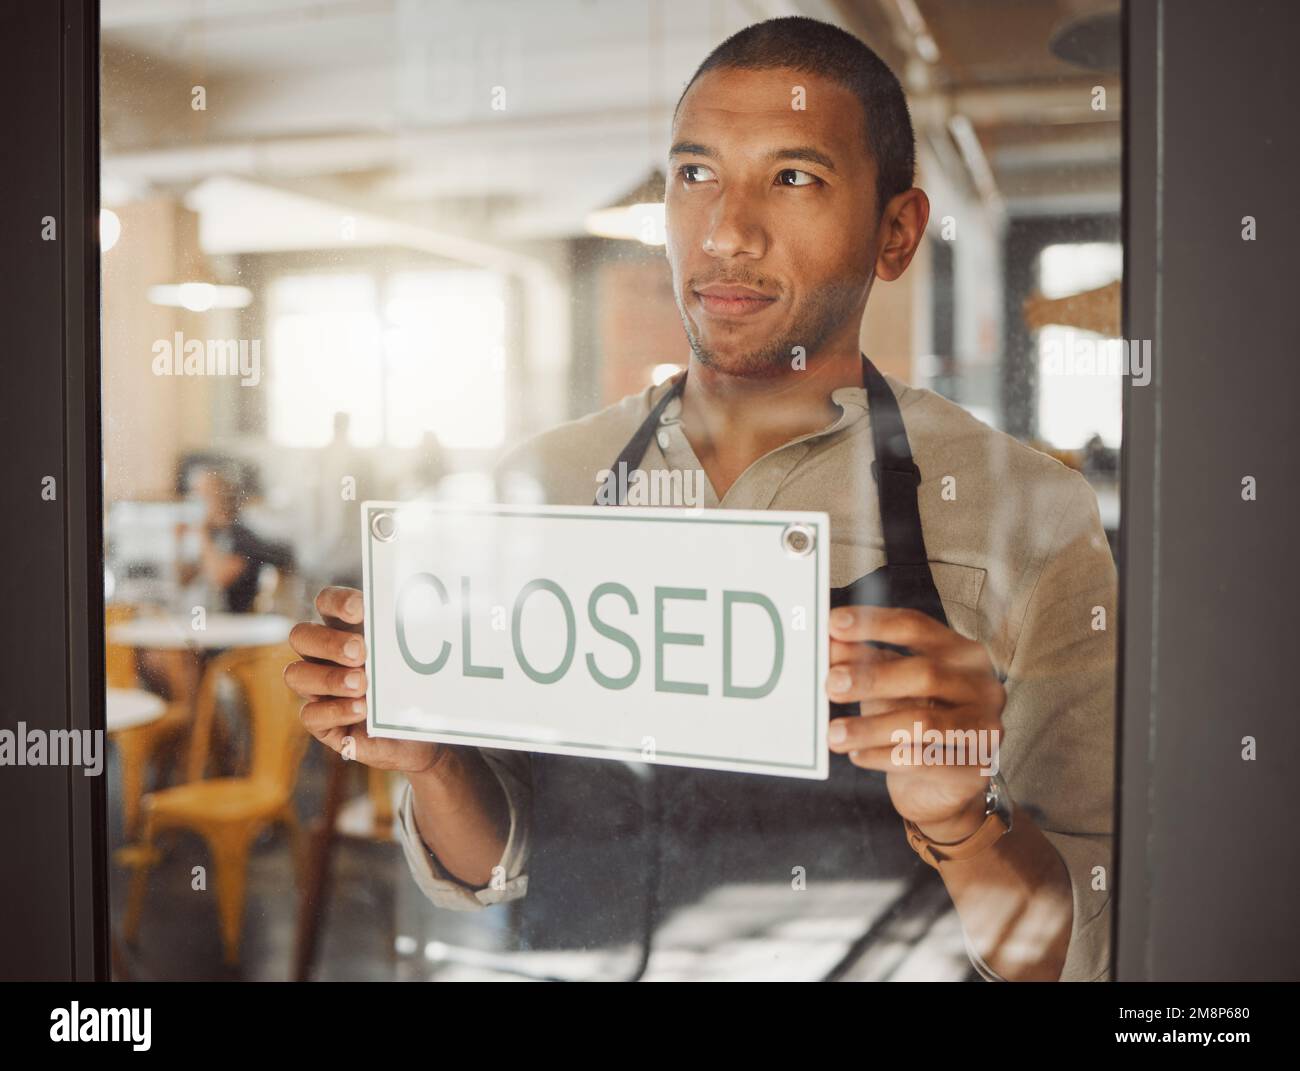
(230, 555)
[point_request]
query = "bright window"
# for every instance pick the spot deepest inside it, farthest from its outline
(402, 355)
(1077, 400)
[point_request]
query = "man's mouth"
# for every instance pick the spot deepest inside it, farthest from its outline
(720, 299)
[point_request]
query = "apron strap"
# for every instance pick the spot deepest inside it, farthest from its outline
(895, 472)
(634, 451)
(910, 581)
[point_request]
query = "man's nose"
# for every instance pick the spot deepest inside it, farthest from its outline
(735, 229)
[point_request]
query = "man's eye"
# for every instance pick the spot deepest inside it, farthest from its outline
(792, 177)
(694, 173)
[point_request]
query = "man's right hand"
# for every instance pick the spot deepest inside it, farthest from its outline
(332, 680)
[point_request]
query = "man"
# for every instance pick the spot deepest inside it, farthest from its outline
(779, 220)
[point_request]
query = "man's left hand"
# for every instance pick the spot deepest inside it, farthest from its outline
(946, 683)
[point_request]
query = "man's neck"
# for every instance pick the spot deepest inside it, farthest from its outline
(732, 421)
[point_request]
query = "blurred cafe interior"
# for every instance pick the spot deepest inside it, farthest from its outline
(416, 232)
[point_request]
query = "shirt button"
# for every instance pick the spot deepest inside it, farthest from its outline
(663, 440)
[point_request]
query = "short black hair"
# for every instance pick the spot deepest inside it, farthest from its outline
(805, 44)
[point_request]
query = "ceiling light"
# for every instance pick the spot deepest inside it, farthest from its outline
(110, 229)
(200, 297)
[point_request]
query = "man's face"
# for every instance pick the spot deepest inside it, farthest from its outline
(771, 218)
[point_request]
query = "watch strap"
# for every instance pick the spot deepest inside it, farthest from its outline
(991, 829)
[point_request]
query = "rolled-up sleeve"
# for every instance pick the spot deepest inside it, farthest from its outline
(1059, 721)
(509, 879)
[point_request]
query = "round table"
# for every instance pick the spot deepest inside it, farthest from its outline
(125, 708)
(221, 631)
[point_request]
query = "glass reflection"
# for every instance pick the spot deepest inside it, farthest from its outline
(441, 229)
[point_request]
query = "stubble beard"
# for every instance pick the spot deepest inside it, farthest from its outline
(823, 316)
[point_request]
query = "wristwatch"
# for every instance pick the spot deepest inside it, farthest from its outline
(998, 806)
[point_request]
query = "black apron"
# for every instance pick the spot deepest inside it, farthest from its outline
(617, 847)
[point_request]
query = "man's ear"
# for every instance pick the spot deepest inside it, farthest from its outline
(901, 228)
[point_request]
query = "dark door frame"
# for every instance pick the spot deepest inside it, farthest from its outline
(1207, 844)
(53, 839)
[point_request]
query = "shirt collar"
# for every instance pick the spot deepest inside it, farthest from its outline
(851, 401)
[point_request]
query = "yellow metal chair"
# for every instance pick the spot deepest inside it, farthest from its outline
(230, 812)
(119, 660)
(138, 746)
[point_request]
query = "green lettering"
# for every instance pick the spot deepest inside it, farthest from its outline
(571, 631)
(729, 599)
(467, 658)
(415, 581)
(615, 634)
(685, 639)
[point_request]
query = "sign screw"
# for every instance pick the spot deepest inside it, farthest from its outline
(383, 526)
(798, 540)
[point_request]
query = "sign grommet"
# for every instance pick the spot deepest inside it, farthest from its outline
(798, 540)
(383, 526)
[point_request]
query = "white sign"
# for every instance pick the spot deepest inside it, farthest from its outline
(686, 637)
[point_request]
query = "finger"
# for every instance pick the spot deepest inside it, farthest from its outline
(322, 714)
(318, 641)
(358, 746)
(856, 733)
(956, 781)
(350, 741)
(873, 708)
(342, 604)
(874, 758)
(911, 732)
(840, 651)
(922, 678)
(332, 738)
(313, 679)
(902, 627)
